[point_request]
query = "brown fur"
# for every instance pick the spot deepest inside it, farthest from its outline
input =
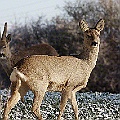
(41, 49)
(51, 73)
(8, 59)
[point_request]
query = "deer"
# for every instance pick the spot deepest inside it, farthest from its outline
(66, 74)
(9, 59)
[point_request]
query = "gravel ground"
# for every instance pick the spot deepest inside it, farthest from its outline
(92, 106)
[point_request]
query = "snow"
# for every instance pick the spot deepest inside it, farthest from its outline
(92, 106)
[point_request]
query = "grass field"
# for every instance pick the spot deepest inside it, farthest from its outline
(92, 106)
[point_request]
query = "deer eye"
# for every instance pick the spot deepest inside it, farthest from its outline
(98, 35)
(89, 36)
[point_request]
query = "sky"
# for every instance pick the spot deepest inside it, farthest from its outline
(24, 10)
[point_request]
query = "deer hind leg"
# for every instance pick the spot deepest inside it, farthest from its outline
(23, 90)
(64, 97)
(15, 97)
(39, 93)
(11, 103)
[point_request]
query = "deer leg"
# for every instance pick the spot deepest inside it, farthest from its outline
(15, 97)
(64, 98)
(39, 93)
(23, 90)
(74, 102)
(11, 103)
(74, 105)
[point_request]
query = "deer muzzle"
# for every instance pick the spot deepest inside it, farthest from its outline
(2, 55)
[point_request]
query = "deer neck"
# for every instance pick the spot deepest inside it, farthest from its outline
(90, 55)
(6, 66)
(8, 54)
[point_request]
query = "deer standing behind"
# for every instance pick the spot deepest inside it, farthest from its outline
(66, 74)
(8, 59)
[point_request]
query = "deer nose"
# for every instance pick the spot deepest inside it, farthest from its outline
(94, 44)
(2, 55)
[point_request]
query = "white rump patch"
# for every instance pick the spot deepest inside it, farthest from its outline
(13, 77)
(15, 74)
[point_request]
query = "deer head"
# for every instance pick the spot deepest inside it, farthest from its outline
(91, 35)
(4, 43)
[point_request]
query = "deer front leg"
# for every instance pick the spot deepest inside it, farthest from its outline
(73, 100)
(74, 105)
(64, 98)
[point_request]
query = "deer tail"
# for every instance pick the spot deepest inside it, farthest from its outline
(16, 75)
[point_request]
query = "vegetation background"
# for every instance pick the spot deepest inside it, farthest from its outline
(64, 34)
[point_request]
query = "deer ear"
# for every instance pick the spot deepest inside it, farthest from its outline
(100, 25)
(8, 38)
(4, 32)
(84, 25)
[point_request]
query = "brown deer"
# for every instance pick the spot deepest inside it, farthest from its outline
(8, 59)
(66, 74)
